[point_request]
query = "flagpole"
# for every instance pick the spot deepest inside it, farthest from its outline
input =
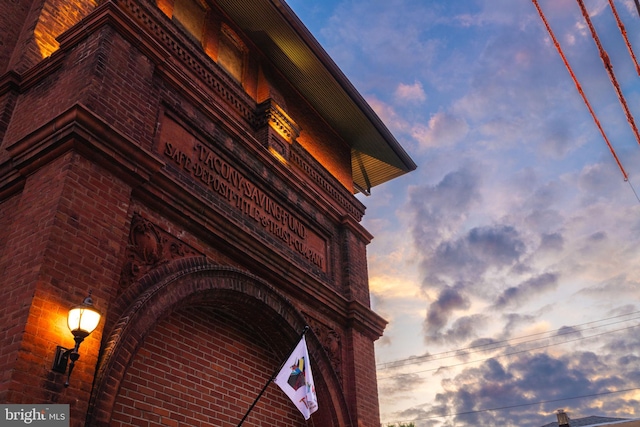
(275, 373)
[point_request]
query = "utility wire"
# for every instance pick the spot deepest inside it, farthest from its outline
(623, 32)
(501, 344)
(579, 88)
(521, 405)
(477, 349)
(606, 61)
(458, 353)
(506, 354)
(428, 358)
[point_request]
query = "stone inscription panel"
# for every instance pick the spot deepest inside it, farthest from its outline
(206, 167)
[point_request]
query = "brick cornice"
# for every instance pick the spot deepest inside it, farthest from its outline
(106, 14)
(202, 79)
(9, 81)
(366, 321)
(350, 223)
(81, 130)
(110, 14)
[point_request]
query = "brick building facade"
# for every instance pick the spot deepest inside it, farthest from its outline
(193, 164)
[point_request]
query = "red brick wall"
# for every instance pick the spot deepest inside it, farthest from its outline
(65, 240)
(362, 375)
(12, 19)
(66, 233)
(105, 74)
(25, 242)
(37, 30)
(199, 368)
(354, 266)
(85, 253)
(8, 210)
(7, 103)
(123, 90)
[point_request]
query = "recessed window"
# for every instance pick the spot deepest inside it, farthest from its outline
(191, 15)
(231, 52)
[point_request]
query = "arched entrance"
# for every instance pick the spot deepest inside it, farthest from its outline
(194, 346)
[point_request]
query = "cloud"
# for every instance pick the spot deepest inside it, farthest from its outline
(458, 262)
(525, 380)
(394, 121)
(515, 321)
(545, 221)
(443, 130)
(515, 296)
(599, 179)
(463, 329)
(448, 301)
(399, 386)
(435, 211)
(516, 204)
(620, 284)
(536, 382)
(558, 138)
(380, 40)
(466, 259)
(410, 93)
(553, 242)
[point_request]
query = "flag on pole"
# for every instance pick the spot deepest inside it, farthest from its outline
(296, 380)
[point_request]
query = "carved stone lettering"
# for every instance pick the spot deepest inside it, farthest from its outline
(224, 180)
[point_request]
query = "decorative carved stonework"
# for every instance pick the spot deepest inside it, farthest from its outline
(269, 112)
(276, 130)
(148, 247)
(332, 343)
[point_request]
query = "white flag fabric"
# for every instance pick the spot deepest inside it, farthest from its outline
(296, 380)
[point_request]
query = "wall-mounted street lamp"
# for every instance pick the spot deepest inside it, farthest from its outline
(82, 320)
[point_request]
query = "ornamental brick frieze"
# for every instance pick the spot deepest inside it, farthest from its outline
(218, 81)
(331, 342)
(304, 162)
(148, 247)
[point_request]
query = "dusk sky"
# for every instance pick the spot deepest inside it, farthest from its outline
(507, 263)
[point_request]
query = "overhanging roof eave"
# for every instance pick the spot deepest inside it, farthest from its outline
(302, 60)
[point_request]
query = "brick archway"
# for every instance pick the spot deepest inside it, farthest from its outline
(196, 282)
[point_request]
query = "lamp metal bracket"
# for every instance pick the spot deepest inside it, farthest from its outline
(61, 359)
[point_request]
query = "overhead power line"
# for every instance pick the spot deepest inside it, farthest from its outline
(476, 349)
(495, 345)
(507, 354)
(608, 66)
(502, 408)
(579, 88)
(623, 31)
